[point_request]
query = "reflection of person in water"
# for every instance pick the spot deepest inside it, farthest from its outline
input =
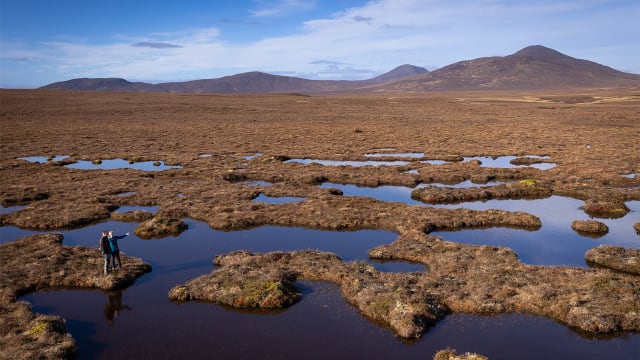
(114, 305)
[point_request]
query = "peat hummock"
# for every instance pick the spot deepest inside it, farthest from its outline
(589, 135)
(40, 262)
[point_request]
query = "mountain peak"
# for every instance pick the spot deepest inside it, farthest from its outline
(539, 51)
(401, 72)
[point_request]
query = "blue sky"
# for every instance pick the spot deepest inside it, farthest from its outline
(160, 41)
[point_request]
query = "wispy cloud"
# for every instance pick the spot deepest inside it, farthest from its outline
(357, 43)
(155, 45)
(282, 7)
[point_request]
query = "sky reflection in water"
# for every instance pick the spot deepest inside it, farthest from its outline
(142, 322)
(147, 325)
(105, 164)
(555, 243)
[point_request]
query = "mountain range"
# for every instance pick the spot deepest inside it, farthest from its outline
(532, 68)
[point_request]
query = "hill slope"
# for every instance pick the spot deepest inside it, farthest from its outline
(532, 68)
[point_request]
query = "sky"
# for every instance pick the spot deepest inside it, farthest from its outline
(161, 41)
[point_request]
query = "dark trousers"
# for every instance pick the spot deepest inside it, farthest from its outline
(116, 256)
(107, 261)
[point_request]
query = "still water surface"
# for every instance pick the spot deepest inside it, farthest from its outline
(141, 322)
(555, 243)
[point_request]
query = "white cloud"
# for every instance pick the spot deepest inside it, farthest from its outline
(365, 40)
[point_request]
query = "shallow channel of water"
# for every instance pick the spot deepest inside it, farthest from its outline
(555, 243)
(141, 322)
(485, 161)
(110, 164)
(348, 162)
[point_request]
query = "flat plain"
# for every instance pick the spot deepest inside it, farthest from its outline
(218, 142)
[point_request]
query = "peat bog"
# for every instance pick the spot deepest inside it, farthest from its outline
(226, 151)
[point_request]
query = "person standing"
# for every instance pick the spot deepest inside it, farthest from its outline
(115, 250)
(105, 250)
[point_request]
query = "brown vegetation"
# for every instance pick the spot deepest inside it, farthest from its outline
(616, 258)
(40, 262)
(589, 226)
(519, 190)
(592, 143)
(449, 354)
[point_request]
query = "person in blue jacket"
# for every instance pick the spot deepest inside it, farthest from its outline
(115, 250)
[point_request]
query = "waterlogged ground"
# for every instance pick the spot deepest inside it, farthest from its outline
(223, 164)
(144, 323)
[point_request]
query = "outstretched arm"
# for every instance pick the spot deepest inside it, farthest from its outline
(121, 236)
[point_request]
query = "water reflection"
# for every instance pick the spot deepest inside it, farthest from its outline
(485, 161)
(505, 162)
(348, 163)
(555, 243)
(126, 208)
(114, 306)
(128, 193)
(44, 159)
(257, 183)
(320, 326)
(105, 164)
(121, 164)
(251, 157)
(389, 193)
(403, 155)
(278, 200)
(10, 209)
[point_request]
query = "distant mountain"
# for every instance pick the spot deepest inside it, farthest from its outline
(400, 72)
(99, 84)
(532, 68)
(257, 82)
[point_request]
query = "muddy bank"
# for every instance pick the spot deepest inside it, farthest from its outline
(40, 262)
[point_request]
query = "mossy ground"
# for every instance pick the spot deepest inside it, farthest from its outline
(591, 143)
(40, 262)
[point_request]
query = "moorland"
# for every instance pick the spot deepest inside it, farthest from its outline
(221, 141)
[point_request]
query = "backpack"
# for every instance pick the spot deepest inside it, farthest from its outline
(104, 245)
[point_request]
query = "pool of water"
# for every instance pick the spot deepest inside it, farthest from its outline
(10, 209)
(278, 200)
(321, 326)
(105, 164)
(257, 183)
(348, 163)
(141, 322)
(121, 164)
(486, 161)
(416, 155)
(505, 162)
(125, 208)
(43, 159)
(555, 243)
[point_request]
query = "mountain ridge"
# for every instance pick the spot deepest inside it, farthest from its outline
(532, 68)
